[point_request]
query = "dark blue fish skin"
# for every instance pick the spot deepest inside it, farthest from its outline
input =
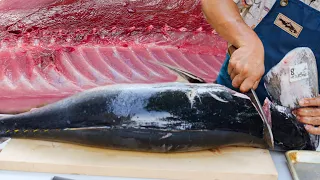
(288, 132)
(167, 117)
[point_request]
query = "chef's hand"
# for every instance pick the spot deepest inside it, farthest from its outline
(246, 66)
(309, 114)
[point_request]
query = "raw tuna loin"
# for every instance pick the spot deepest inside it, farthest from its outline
(51, 49)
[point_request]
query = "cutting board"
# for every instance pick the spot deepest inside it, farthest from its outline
(230, 163)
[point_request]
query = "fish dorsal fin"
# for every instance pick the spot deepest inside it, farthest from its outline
(182, 73)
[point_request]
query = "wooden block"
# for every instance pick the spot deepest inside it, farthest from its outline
(238, 163)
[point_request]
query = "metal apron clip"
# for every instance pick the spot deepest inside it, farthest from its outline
(284, 2)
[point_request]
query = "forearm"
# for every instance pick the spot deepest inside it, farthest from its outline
(225, 18)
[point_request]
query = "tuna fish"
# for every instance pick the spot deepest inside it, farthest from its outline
(162, 117)
(52, 49)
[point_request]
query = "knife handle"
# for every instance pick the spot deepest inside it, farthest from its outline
(231, 49)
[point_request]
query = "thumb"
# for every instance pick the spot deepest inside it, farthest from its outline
(310, 101)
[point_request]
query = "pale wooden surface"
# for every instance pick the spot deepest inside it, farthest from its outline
(227, 163)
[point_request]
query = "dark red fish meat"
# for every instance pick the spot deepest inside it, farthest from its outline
(52, 49)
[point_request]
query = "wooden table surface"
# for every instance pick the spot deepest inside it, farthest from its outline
(226, 163)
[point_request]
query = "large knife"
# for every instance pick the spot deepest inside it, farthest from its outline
(252, 94)
(255, 100)
(267, 131)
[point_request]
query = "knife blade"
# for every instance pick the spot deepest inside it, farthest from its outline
(268, 136)
(254, 98)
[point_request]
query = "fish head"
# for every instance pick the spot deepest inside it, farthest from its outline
(295, 77)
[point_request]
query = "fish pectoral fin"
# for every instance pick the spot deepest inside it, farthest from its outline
(182, 73)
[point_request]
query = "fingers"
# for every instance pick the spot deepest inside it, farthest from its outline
(238, 75)
(237, 80)
(312, 129)
(245, 84)
(248, 84)
(309, 120)
(256, 84)
(244, 71)
(310, 102)
(231, 65)
(234, 66)
(233, 74)
(231, 68)
(310, 117)
(307, 112)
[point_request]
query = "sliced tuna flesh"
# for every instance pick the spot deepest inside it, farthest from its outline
(51, 49)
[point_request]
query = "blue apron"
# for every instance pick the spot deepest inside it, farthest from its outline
(278, 41)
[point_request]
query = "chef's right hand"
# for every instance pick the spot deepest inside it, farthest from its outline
(246, 65)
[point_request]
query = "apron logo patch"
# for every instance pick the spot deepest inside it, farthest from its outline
(288, 25)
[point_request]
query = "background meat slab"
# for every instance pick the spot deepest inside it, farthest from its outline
(51, 49)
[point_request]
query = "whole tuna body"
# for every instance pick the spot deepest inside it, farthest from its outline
(164, 117)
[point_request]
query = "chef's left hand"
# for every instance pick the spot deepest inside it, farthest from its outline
(309, 114)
